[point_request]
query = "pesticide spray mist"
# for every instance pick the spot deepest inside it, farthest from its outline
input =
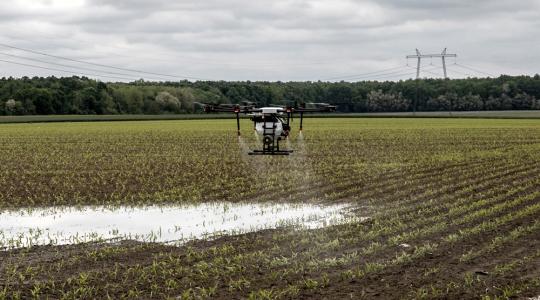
(300, 142)
(301, 166)
(244, 149)
(250, 161)
(299, 169)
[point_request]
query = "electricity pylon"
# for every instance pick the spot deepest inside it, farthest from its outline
(419, 57)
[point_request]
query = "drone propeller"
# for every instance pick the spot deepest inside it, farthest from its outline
(249, 103)
(316, 107)
(228, 105)
(199, 103)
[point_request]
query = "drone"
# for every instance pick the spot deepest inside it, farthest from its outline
(272, 123)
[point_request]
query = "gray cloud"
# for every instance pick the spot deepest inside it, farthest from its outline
(273, 39)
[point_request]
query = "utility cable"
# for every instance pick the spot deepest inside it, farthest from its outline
(364, 74)
(64, 71)
(432, 67)
(382, 76)
(375, 78)
(389, 76)
(474, 70)
(67, 66)
(101, 65)
(401, 70)
(459, 72)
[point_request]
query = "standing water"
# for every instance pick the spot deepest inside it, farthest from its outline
(178, 224)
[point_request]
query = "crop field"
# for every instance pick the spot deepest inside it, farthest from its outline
(435, 208)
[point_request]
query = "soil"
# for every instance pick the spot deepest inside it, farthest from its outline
(436, 270)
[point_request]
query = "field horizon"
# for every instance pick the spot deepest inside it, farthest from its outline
(493, 114)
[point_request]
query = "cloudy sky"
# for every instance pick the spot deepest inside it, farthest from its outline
(267, 39)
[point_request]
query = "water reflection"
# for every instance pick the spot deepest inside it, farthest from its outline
(69, 225)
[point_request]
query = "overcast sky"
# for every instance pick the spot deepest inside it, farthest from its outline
(269, 39)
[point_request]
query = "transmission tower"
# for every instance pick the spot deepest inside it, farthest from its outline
(443, 55)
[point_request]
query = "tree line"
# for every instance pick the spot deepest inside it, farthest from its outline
(81, 95)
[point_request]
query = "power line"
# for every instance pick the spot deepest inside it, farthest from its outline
(459, 72)
(401, 70)
(425, 70)
(474, 70)
(397, 74)
(432, 73)
(101, 65)
(389, 75)
(428, 70)
(64, 71)
(249, 64)
(363, 74)
(67, 66)
(443, 55)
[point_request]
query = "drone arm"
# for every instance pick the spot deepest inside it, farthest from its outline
(321, 107)
(230, 108)
(214, 108)
(318, 109)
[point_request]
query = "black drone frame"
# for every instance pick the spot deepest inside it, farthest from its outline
(270, 142)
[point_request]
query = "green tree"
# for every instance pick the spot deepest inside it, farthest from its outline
(439, 103)
(13, 107)
(469, 102)
(168, 102)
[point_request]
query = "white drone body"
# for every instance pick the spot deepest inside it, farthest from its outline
(268, 122)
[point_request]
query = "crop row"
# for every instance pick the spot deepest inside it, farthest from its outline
(447, 202)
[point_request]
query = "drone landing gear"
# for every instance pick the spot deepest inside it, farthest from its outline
(270, 147)
(275, 152)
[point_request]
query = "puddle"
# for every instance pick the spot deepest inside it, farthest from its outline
(168, 224)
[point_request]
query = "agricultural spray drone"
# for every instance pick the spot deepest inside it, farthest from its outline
(272, 123)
